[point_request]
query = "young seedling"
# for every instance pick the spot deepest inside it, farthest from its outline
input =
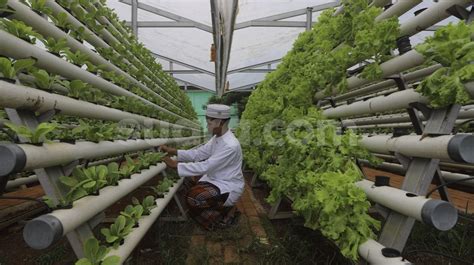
(20, 30)
(61, 21)
(36, 136)
(43, 80)
(10, 68)
(39, 6)
(56, 47)
(94, 254)
(133, 212)
(113, 175)
(78, 58)
(148, 204)
(118, 231)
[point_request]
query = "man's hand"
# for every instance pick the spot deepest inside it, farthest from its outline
(170, 162)
(169, 150)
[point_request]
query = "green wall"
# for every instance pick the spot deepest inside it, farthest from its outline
(200, 99)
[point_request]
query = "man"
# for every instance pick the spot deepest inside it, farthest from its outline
(212, 198)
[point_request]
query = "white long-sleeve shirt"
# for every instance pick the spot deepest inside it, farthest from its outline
(219, 162)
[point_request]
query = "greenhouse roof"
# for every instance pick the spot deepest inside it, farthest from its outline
(181, 32)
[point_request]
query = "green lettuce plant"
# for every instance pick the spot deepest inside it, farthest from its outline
(34, 136)
(147, 204)
(117, 232)
(11, 68)
(56, 46)
(44, 80)
(452, 47)
(20, 30)
(94, 254)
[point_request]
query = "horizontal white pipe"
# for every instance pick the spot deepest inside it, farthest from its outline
(47, 29)
(21, 181)
(23, 97)
(394, 101)
(371, 251)
(439, 214)
(466, 113)
(111, 39)
(97, 42)
(408, 78)
(398, 9)
(391, 125)
(53, 154)
(435, 13)
(448, 176)
(396, 65)
(42, 231)
(16, 48)
(459, 147)
(448, 163)
(145, 223)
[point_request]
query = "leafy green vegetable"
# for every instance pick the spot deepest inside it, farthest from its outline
(452, 47)
(61, 20)
(43, 80)
(289, 143)
(147, 204)
(10, 68)
(95, 254)
(40, 6)
(35, 136)
(78, 58)
(118, 230)
(20, 30)
(56, 46)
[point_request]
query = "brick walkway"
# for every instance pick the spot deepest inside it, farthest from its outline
(222, 246)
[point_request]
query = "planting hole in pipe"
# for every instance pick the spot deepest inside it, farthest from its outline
(390, 253)
(408, 194)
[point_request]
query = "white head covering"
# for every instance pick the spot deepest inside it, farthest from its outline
(218, 111)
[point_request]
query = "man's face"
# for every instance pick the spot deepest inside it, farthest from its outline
(213, 125)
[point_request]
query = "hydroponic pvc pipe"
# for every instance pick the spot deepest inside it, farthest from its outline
(448, 176)
(397, 9)
(435, 13)
(408, 78)
(459, 148)
(443, 163)
(22, 97)
(145, 223)
(14, 47)
(97, 42)
(16, 158)
(466, 113)
(21, 181)
(439, 214)
(47, 29)
(395, 101)
(43, 231)
(111, 39)
(396, 65)
(373, 252)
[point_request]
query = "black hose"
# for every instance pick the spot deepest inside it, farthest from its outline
(446, 184)
(40, 201)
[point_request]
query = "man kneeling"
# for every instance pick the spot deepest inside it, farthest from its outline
(212, 198)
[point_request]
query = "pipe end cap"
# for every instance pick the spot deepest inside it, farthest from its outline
(440, 214)
(42, 232)
(461, 148)
(12, 159)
